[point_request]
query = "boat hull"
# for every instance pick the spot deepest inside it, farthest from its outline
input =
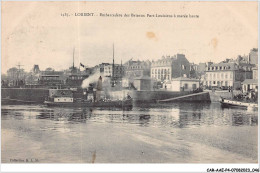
(110, 104)
(236, 104)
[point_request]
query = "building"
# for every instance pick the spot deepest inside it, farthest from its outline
(194, 70)
(99, 68)
(170, 67)
(227, 74)
(253, 56)
(251, 84)
(117, 72)
(75, 77)
(242, 59)
(36, 69)
(255, 72)
(51, 78)
(202, 67)
(135, 69)
(182, 84)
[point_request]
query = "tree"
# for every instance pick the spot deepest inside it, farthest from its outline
(12, 73)
(49, 69)
(193, 73)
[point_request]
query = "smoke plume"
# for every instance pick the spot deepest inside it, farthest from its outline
(91, 79)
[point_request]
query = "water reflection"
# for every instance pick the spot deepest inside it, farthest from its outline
(183, 115)
(70, 115)
(141, 119)
(240, 120)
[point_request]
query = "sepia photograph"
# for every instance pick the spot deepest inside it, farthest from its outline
(129, 82)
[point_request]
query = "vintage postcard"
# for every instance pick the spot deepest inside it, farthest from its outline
(129, 82)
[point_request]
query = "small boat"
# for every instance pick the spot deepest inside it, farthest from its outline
(238, 104)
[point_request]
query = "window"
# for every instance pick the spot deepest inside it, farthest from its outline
(194, 86)
(214, 82)
(226, 83)
(185, 86)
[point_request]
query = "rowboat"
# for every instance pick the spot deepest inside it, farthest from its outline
(228, 103)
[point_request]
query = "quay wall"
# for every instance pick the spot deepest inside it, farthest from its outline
(195, 97)
(216, 96)
(36, 95)
(153, 96)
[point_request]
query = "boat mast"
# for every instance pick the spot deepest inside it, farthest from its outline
(113, 66)
(19, 69)
(73, 58)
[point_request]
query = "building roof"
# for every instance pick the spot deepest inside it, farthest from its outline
(185, 79)
(229, 65)
(250, 81)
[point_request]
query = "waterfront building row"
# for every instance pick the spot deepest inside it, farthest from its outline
(227, 74)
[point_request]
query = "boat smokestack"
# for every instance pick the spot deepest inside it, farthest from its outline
(99, 84)
(99, 88)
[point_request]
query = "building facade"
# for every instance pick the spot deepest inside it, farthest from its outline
(253, 56)
(255, 72)
(182, 84)
(52, 78)
(135, 69)
(251, 84)
(117, 72)
(170, 67)
(227, 74)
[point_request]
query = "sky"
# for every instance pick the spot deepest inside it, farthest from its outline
(37, 33)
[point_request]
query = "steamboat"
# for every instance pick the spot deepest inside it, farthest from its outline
(94, 98)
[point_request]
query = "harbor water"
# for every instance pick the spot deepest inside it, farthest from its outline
(168, 133)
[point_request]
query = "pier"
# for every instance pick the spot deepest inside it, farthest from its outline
(202, 96)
